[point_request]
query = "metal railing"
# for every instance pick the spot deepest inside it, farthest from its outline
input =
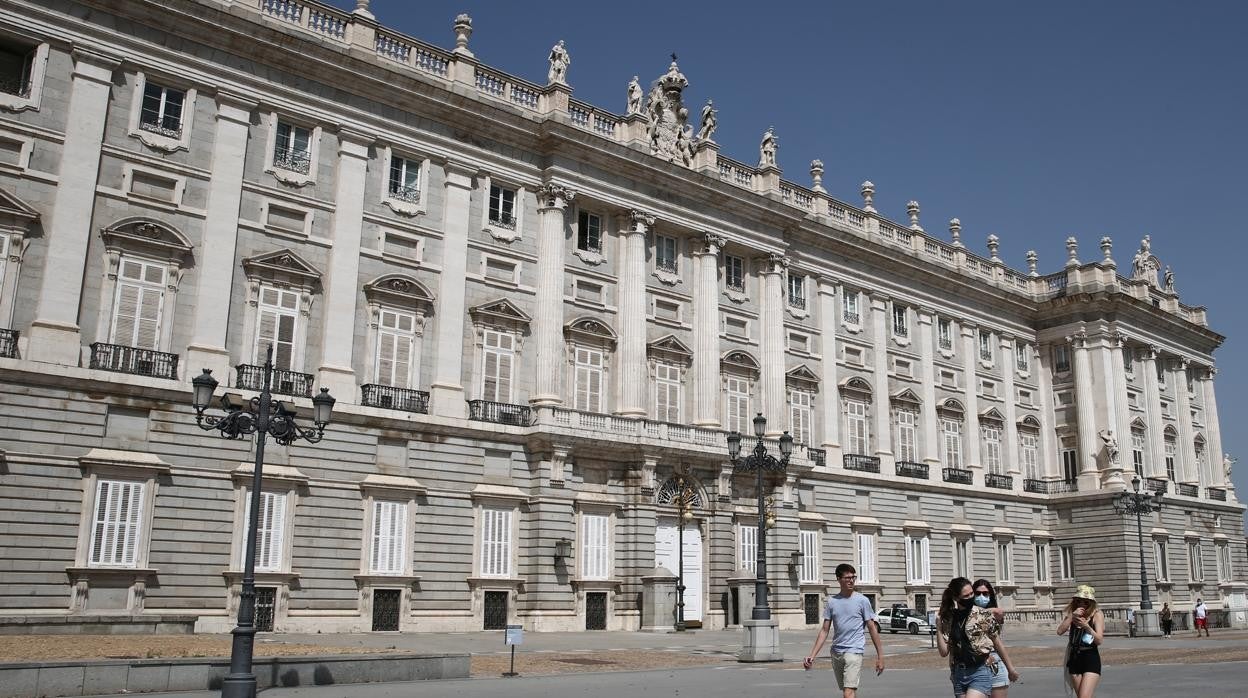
(960, 476)
(500, 413)
(133, 360)
(405, 193)
(851, 317)
(391, 398)
(251, 377)
(1217, 493)
(1188, 490)
(1156, 485)
(797, 301)
(866, 464)
(1049, 486)
(299, 161)
(818, 456)
(1000, 482)
(8, 343)
(911, 469)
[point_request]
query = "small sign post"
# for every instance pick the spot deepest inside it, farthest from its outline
(513, 636)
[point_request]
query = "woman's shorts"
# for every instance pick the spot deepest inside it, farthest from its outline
(977, 678)
(1001, 675)
(1085, 662)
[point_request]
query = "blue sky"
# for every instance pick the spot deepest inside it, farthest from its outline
(1033, 121)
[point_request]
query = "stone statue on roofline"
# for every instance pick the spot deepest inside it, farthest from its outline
(1169, 283)
(634, 97)
(767, 149)
(1227, 464)
(1145, 265)
(559, 62)
(668, 132)
(709, 122)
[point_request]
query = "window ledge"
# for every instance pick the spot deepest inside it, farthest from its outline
(502, 234)
(852, 328)
(293, 179)
(736, 296)
(799, 313)
(382, 580)
(87, 573)
(666, 277)
(596, 583)
(590, 257)
(404, 208)
(485, 582)
(163, 144)
(236, 577)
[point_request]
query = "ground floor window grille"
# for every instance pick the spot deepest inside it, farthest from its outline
(596, 610)
(386, 609)
(266, 607)
(495, 610)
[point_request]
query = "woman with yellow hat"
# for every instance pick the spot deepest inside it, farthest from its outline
(1086, 625)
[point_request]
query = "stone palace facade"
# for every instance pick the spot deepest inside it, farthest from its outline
(540, 318)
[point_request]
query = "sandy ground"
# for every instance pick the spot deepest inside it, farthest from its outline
(41, 648)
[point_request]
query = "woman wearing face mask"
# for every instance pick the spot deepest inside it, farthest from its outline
(965, 634)
(986, 597)
(1086, 625)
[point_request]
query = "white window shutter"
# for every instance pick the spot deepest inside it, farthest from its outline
(927, 560)
(117, 525)
(595, 551)
(389, 537)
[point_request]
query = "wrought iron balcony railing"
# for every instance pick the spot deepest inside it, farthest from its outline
(15, 85)
(1063, 486)
(251, 377)
(8, 343)
(1188, 490)
(797, 301)
(1037, 486)
(1000, 482)
(1217, 493)
(157, 128)
(866, 464)
(133, 360)
(503, 220)
(405, 193)
(299, 161)
(959, 476)
(1156, 485)
(911, 469)
(851, 318)
(818, 456)
(667, 265)
(500, 413)
(391, 398)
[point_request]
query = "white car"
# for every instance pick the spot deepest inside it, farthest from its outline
(909, 620)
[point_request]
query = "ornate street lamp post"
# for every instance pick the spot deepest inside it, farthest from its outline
(264, 417)
(685, 499)
(1139, 503)
(762, 638)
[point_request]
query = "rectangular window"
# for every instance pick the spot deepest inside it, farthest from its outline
(809, 572)
(800, 416)
(270, 531)
(951, 429)
(498, 362)
(17, 66)
(667, 393)
(292, 148)
(747, 548)
(1068, 562)
(850, 310)
(797, 291)
(1161, 561)
(866, 558)
(162, 110)
(901, 323)
(1070, 460)
(992, 449)
(1061, 359)
(856, 426)
(404, 179)
(962, 557)
(1028, 452)
(918, 562)
(495, 542)
(1224, 563)
(734, 272)
(1128, 361)
(1004, 553)
(396, 336)
(502, 206)
(1196, 561)
(906, 421)
(138, 304)
(588, 232)
(1042, 562)
(665, 253)
(985, 346)
(588, 380)
(389, 543)
(1022, 358)
(1171, 449)
(944, 333)
(278, 314)
(116, 526)
(1024, 397)
(1137, 451)
(595, 546)
(738, 394)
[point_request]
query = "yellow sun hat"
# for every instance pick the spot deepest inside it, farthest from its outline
(1085, 591)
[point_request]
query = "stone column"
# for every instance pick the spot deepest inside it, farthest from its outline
(1119, 420)
(882, 409)
(830, 389)
(1085, 405)
(215, 272)
(1155, 465)
(342, 282)
(633, 379)
(552, 201)
(927, 385)
(1186, 450)
(446, 392)
(1050, 453)
(54, 336)
(706, 333)
(970, 396)
(1009, 363)
(771, 321)
(1213, 430)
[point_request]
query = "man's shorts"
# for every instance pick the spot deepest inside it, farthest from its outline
(848, 669)
(1202, 623)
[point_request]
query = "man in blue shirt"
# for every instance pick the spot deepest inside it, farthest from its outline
(850, 614)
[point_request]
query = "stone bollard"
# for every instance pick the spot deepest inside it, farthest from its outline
(658, 601)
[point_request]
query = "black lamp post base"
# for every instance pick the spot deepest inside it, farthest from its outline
(761, 642)
(239, 686)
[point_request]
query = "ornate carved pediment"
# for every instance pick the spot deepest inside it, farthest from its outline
(907, 396)
(992, 414)
(501, 311)
(146, 236)
(953, 407)
(854, 384)
(802, 377)
(1029, 422)
(282, 265)
(400, 290)
(670, 346)
(590, 330)
(14, 212)
(741, 362)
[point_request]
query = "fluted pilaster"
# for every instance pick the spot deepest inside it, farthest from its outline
(771, 307)
(553, 200)
(706, 333)
(881, 410)
(632, 319)
(830, 393)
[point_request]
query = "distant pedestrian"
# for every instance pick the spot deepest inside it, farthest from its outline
(1002, 676)
(849, 616)
(1167, 619)
(1086, 625)
(1201, 614)
(1130, 622)
(965, 633)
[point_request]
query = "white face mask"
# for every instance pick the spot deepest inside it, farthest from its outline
(982, 601)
